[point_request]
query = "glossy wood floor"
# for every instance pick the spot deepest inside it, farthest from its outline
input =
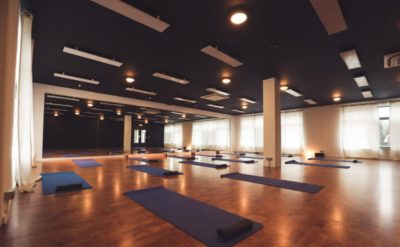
(358, 207)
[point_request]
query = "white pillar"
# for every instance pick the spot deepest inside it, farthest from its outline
(272, 121)
(38, 122)
(127, 134)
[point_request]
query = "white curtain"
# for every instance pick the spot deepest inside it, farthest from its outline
(211, 134)
(23, 145)
(251, 137)
(360, 131)
(173, 135)
(292, 132)
(395, 130)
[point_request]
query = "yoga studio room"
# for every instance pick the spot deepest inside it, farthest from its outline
(164, 123)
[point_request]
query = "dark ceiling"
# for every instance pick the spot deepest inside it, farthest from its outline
(282, 38)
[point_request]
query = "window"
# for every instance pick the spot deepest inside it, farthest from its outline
(143, 136)
(292, 132)
(211, 134)
(251, 136)
(173, 135)
(384, 125)
(136, 136)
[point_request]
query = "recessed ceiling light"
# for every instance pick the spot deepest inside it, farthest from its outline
(146, 121)
(101, 117)
(139, 116)
(90, 56)
(284, 87)
(215, 106)
(77, 112)
(129, 79)
(367, 93)
(248, 100)
(170, 78)
(132, 89)
(238, 17)
(90, 103)
(351, 59)
(237, 110)
(213, 90)
(310, 101)
(55, 113)
(361, 81)
(185, 100)
(62, 97)
(337, 99)
(226, 80)
(76, 78)
(293, 92)
(166, 120)
(119, 112)
(215, 53)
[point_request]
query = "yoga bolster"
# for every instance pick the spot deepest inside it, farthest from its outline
(170, 173)
(221, 166)
(69, 187)
(234, 230)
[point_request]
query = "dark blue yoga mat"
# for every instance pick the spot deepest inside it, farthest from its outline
(50, 181)
(336, 160)
(86, 163)
(196, 218)
(294, 162)
(251, 157)
(285, 184)
(235, 160)
(154, 170)
(204, 164)
(145, 160)
(210, 155)
(181, 157)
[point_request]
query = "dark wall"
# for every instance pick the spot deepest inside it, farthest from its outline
(79, 132)
(154, 135)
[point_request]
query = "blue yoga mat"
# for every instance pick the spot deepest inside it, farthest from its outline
(285, 184)
(145, 160)
(251, 157)
(336, 160)
(210, 155)
(204, 164)
(154, 170)
(86, 163)
(235, 160)
(294, 162)
(196, 218)
(50, 181)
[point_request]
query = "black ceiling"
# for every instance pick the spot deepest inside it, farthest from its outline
(282, 38)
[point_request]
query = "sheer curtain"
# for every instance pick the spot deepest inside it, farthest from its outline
(292, 136)
(173, 135)
(360, 131)
(395, 130)
(211, 134)
(251, 137)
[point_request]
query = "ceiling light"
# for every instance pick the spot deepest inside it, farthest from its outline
(55, 113)
(350, 58)
(214, 52)
(244, 107)
(170, 78)
(248, 100)
(213, 90)
(330, 14)
(134, 14)
(90, 103)
(176, 113)
(132, 89)
(146, 121)
(215, 106)
(183, 115)
(367, 93)
(75, 78)
(226, 80)
(101, 117)
(62, 97)
(284, 88)
(166, 120)
(139, 116)
(111, 104)
(237, 110)
(310, 101)
(293, 92)
(77, 112)
(56, 104)
(337, 99)
(200, 116)
(129, 79)
(90, 56)
(185, 100)
(238, 18)
(361, 81)
(119, 112)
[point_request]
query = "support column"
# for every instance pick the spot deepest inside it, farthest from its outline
(127, 134)
(38, 122)
(272, 122)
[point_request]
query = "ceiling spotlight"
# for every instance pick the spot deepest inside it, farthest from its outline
(166, 121)
(337, 99)
(139, 116)
(284, 87)
(238, 17)
(183, 115)
(77, 111)
(119, 112)
(140, 125)
(244, 107)
(101, 117)
(55, 113)
(226, 80)
(90, 103)
(129, 79)
(146, 121)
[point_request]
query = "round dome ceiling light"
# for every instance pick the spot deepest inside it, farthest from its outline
(238, 18)
(129, 79)
(226, 80)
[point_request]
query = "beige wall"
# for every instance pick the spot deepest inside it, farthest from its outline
(187, 134)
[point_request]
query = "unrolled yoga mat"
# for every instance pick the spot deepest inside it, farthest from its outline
(54, 180)
(196, 218)
(210, 155)
(251, 157)
(294, 162)
(154, 170)
(235, 160)
(336, 160)
(181, 157)
(285, 184)
(145, 160)
(87, 163)
(217, 166)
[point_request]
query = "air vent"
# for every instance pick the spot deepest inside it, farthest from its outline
(214, 97)
(391, 60)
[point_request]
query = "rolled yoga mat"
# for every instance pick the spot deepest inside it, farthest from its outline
(294, 162)
(59, 181)
(145, 160)
(198, 219)
(86, 163)
(204, 164)
(210, 155)
(285, 184)
(234, 160)
(154, 170)
(336, 160)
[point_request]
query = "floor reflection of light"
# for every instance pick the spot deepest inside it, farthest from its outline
(100, 178)
(386, 194)
(337, 217)
(87, 204)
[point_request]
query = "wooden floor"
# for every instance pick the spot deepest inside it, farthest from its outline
(358, 206)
